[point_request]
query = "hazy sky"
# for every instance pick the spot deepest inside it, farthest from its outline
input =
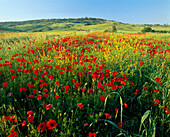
(127, 11)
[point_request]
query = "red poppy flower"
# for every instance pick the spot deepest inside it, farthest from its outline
(36, 72)
(116, 110)
(13, 76)
(5, 84)
(158, 79)
(39, 97)
(160, 83)
(30, 118)
(66, 88)
(92, 134)
(48, 106)
(57, 96)
(156, 102)
(86, 124)
(61, 72)
(10, 94)
(34, 91)
(156, 90)
(123, 83)
(40, 80)
(80, 105)
(24, 123)
(102, 98)
(90, 91)
(42, 126)
(166, 110)
(125, 105)
(114, 87)
(114, 73)
(43, 84)
(107, 115)
(141, 63)
(50, 76)
(35, 78)
(30, 112)
(145, 88)
(120, 124)
(73, 80)
(135, 93)
(14, 134)
(31, 96)
(51, 124)
(22, 89)
(131, 83)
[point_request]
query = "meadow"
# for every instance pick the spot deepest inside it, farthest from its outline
(81, 84)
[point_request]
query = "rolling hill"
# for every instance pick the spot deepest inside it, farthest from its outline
(75, 24)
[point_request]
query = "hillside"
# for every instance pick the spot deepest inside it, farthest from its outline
(74, 24)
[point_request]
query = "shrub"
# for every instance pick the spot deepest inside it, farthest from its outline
(146, 29)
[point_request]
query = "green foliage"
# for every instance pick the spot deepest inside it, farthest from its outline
(146, 29)
(114, 28)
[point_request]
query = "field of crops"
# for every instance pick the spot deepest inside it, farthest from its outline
(91, 85)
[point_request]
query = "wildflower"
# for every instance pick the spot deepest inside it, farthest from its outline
(39, 97)
(86, 124)
(80, 105)
(48, 106)
(116, 110)
(42, 126)
(14, 134)
(10, 94)
(50, 76)
(141, 63)
(125, 105)
(160, 83)
(34, 91)
(46, 94)
(51, 124)
(90, 91)
(5, 84)
(57, 96)
(61, 72)
(107, 115)
(31, 96)
(66, 88)
(156, 102)
(158, 79)
(30, 118)
(13, 76)
(30, 112)
(24, 123)
(114, 73)
(156, 90)
(102, 98)
(120, 124)
(131, 83)
(146, 88)
(92, 134)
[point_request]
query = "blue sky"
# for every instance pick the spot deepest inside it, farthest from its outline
(127, 11)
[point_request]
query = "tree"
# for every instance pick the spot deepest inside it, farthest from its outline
(114, 28)
(146, 29)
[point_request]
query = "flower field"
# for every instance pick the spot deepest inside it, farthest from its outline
(91, 85)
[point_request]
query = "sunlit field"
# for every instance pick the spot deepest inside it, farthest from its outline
(84, 84)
